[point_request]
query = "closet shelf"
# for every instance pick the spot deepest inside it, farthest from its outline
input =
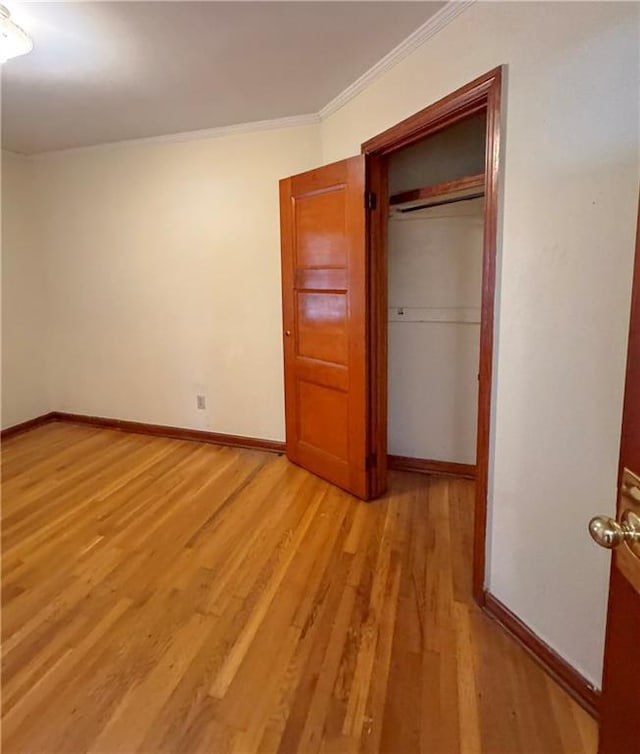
(469, 187)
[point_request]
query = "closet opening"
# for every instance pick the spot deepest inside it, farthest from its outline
(432, 242)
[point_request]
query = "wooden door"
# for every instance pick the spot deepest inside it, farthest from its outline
(324, 292)
(620, 711)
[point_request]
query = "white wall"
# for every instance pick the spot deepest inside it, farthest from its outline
(24, 383)
(564, 275)
(435, 279)
(163, 266)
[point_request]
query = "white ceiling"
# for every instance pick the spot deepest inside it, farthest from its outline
(109, 71)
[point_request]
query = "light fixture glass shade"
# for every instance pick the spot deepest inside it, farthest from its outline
(14, 41)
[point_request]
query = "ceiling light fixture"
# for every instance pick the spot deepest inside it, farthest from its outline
(14, 40)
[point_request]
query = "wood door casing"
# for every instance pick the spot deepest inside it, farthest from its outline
(620, 706)
(324, 293)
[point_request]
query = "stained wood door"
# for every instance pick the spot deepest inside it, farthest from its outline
(620, 713)
(324, 291)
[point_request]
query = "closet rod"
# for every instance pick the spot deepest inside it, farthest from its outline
(460, 188)
(416, 207)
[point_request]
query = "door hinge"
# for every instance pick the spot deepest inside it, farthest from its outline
(370, 200)
(372, 461)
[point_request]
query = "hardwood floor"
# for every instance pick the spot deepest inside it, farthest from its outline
(169, 596)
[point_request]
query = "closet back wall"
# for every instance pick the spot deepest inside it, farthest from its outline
(163, 267)
(435, 283)
(455, 152)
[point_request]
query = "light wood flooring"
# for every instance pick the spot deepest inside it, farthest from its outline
(169, 596)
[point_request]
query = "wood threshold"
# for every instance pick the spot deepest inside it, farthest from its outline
(469, 183)
(434, 468)
(157, 430)
(558, 668)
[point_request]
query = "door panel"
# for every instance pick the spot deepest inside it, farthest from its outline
(322, 327)
(620, 714)
(324, 292)
(321, 225)
(323, 419)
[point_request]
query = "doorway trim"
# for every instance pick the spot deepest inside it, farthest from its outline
(484, 94)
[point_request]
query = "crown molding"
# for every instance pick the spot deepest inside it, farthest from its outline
(432, 26)
(293, 121)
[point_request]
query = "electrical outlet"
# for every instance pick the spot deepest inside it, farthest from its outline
(201, 402)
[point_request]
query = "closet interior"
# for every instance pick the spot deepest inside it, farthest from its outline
(435, 248)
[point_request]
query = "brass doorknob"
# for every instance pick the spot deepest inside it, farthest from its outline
(609, 533)
(287, 333)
